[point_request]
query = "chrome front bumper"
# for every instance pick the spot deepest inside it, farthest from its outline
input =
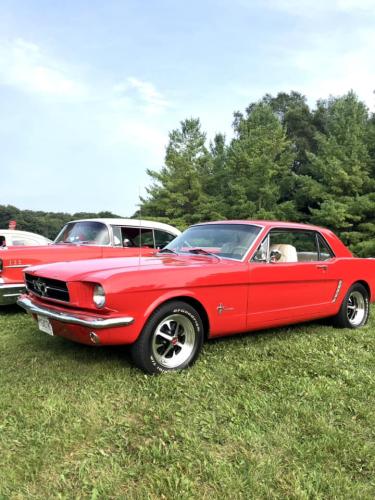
(73, 319)
(9, 293)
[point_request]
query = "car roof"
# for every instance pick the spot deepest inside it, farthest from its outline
(267, 223)
(16, 232)
(134, 223)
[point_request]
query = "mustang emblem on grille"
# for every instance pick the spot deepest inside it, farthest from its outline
(40, 287)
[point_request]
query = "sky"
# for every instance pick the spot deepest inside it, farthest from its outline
(90, 89)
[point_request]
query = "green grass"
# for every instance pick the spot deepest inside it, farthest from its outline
(283, 413)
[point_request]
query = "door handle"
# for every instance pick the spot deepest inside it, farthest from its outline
(323, 267)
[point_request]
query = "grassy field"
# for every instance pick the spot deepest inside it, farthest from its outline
(283, 413)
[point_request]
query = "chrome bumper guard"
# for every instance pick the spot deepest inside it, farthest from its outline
(10, 292)
(90, 322)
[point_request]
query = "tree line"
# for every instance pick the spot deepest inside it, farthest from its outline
(45, 223)
(285, 161)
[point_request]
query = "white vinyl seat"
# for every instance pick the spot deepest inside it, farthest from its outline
(288, 252)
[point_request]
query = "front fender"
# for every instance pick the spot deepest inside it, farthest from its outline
(168, 295)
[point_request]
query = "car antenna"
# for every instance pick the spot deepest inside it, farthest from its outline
(140, 224)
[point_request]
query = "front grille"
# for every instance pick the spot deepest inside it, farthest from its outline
(48, 288)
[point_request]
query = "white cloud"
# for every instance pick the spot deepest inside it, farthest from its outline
(309, 7)
(125, 115)
(320, 67)
(145, 136)
(23, 65)
(330, 69)
(144, 92)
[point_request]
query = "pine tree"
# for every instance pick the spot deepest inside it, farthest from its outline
(215, 184)
(300, 124)
(260, 160)
(177, 194)
(338, 173)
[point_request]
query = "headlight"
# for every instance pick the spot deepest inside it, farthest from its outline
(99, 296)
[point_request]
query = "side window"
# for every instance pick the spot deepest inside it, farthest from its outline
(283, 245)
(145, 238)
(2, 241)
(117, 237)
(135, 237)
(17, 241)
(162, 238)
(293, 246)
(325, 253)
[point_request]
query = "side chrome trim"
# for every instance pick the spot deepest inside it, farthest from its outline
(337, 291)
(73, 319)
(17, 266)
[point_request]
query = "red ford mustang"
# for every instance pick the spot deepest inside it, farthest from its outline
(214, 279)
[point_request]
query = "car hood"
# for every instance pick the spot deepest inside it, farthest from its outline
(90, 270)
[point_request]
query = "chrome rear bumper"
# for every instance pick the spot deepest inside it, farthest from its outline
(73, 319)
(9, 293)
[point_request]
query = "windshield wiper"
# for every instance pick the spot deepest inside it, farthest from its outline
(167, 250)
(201, 251)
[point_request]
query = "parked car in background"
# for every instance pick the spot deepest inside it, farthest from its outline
(13, 237)
(214, 279)
(82, 239)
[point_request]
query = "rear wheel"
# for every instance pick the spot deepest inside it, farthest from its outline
(171, 339)
(354, 310)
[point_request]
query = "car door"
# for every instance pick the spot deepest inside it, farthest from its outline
(292, 278)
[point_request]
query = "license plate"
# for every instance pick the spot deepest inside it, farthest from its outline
(45, 325)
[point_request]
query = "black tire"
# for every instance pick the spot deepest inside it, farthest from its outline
(171, 339)
(354, 310)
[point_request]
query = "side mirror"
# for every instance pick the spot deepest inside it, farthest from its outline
(260, 257)
(275, 256)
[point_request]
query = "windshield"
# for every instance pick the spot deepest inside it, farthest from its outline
(230, 241)
(86, 232)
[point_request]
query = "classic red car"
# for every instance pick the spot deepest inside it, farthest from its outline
(214, 279)
(79, 240)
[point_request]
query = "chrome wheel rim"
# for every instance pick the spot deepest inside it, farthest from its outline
(356, 308)
(173, 341)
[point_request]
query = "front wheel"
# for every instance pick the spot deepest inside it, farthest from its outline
(171, 339)
(354, 310)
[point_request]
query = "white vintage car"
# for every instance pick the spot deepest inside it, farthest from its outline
(79, 240)
(13, 237)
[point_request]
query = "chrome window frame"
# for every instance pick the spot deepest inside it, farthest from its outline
(315, 232)
(333, 255)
